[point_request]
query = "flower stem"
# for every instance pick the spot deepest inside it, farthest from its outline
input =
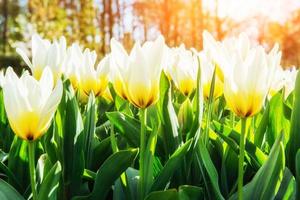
(210, 107)
(241, 158)
(142, 181)
(31, 152)
(208, 119)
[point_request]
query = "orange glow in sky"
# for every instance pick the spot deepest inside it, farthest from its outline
(275, 10)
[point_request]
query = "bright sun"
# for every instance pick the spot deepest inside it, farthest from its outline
(275, 10)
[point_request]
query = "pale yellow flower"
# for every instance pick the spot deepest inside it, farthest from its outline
(44, 53)
(30, 104)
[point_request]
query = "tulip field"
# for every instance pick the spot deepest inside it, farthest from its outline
(154, 123)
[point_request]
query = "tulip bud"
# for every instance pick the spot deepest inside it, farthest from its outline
(185, 116)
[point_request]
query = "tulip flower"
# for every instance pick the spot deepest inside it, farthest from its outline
(91, 79)
(183, 69)
(283, 79)
(45, 53)
(248, 80)
(211, 60)
(30, 106)
(248, 75)
(207, 68)
(73, 65)
(136, 76)
(119, 66)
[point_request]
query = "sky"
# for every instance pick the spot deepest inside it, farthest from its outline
(275, 10)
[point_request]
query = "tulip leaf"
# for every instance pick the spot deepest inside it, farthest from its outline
(198, 101)
(10, 175)
(277, 120)
(18, 164)
(185, 192)
(287, 190)
(89, 129)
(50, 184)
(101, 151)
(298, 174)
(44, 165)
(132, 184)
(262, 127)
(170, 167)
(127, 126)
(7, 192)
(109, 172)
(168, 117)
(163, 195)
(266, 182)
(188, 192)
(294, 141)
(231, 137)
(72, 146)
(205, 161)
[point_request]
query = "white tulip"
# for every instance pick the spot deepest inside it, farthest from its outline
(283, 79)
(182, 69)
(73, 64)
(45, 53)
(30, 104)
(91, 79)
(136, 76)
(248, 74)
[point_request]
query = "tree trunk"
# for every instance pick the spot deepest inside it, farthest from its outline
(5, 16)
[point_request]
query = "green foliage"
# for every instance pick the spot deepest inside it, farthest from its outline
(92, 153)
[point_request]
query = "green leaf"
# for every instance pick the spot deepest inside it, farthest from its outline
(132, 183)
(101, 152)
(266, 182)
(277, 119)
(49, 186)
(10, 175)
(44, 165)
(127, 126)
(72, 146)
(231, 137)
(163, 195)
(185, 192)
(168, 117)
(18, 163)
(188, 192)
(7, 192)
(108, 173)
(298, 174)
(262, 128)
(287, 190)
(170, 167)
(294, 139)
(205, 159)
(198, 101)
(89, 129)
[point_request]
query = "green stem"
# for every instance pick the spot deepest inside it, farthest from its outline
(241, 158)
(210, 107)
(232, 119)
(208, 119)
(142, 183)
(31, 152)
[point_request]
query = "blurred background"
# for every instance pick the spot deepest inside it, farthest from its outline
(93, 22)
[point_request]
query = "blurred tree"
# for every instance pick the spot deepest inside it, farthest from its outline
(9, 25)
(287, 35)
(76, 20)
